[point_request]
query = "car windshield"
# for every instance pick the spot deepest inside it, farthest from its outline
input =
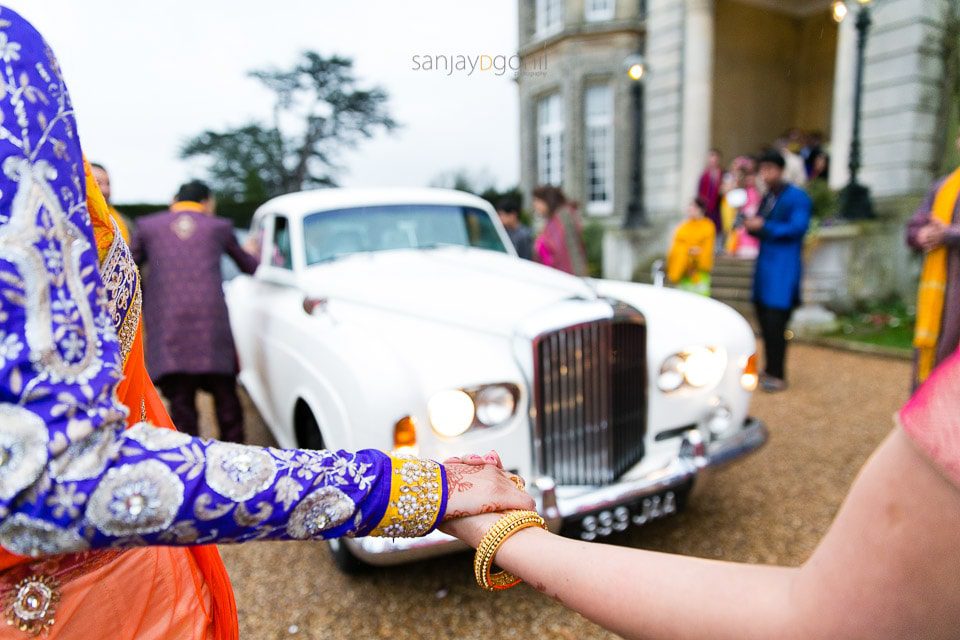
(339, 232)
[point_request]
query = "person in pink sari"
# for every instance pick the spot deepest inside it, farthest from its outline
(744, 202)
(560, 244)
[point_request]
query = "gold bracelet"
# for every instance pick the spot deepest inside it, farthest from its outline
(506, 526)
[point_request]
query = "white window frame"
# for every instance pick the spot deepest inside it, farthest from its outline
(599, 123)
(599, 10)
(550, 133)
(548, 17)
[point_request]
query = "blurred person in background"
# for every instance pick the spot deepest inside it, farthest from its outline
(690, 259)
(740, 203)
(934, 230)
(560, 244)
(102, 176)
(508, 210)
(709, 187)
(781, 225)
(189, 343)
(794, 171)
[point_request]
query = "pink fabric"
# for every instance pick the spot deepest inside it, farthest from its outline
(543, 253)
(748, 246)
(552, 244)
(932, 417)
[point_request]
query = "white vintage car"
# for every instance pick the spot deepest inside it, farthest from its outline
(402, 320)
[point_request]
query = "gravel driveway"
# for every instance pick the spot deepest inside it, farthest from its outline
(770, 508)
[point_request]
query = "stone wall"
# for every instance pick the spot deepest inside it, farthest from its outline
(902, 101)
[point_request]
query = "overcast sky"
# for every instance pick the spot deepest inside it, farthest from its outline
(144, 76)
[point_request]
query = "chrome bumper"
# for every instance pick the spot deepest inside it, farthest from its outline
(696, 456)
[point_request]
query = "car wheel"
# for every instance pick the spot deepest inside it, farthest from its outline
(344, 558)
(308, 431)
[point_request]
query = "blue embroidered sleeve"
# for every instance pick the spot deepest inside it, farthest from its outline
(71, 477)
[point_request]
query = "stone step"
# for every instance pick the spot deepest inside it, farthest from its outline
(738, 267)
(727, 259)
(733, 282)
(735, 294)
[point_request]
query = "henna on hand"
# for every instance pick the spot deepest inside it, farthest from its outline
(455, 477)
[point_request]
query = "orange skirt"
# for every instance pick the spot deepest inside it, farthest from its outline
(150, 593)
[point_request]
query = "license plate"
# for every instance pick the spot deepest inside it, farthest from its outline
(640, 512)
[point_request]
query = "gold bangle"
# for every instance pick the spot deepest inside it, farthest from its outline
(506, 526)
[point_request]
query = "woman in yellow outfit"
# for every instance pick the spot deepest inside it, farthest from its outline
(690, 259)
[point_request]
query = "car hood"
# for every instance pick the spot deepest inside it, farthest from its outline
(482, 290)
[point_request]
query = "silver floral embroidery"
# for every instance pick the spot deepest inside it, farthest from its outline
(138, 498)
(239, 472)
(23, 449)
(86, 458)
(78, 362)
(32, 537)
(154, 438)
(325, 508)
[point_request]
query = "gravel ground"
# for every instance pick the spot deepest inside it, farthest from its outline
(770, 508)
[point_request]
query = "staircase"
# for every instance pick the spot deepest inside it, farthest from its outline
(733, 283)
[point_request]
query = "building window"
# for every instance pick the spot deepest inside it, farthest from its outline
(550, 140)
(549, 17)
(596, 10)
(598, 133)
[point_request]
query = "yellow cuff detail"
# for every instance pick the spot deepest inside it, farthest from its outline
(415, 497)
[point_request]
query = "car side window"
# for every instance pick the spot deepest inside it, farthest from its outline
(282, 256)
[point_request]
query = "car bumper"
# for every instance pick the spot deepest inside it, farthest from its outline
(639, 499)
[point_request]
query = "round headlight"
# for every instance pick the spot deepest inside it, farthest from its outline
(495, 405)
(703, 366)
(451, 412)
(671, 374)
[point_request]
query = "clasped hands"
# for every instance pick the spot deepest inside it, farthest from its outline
(931, 235)
(478, 490)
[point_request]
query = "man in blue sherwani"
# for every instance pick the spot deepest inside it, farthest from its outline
(783, 222)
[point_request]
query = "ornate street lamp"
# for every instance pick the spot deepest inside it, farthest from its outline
(855, 198)
(636, 69)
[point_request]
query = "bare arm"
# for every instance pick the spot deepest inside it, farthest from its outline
(887, 568)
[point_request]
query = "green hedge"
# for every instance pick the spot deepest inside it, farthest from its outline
(239, 212)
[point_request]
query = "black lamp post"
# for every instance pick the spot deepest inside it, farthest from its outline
(855, 201)
(636, 69)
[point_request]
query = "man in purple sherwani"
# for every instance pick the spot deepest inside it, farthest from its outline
(188, 341)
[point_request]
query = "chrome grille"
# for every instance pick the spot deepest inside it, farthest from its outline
(590, 398)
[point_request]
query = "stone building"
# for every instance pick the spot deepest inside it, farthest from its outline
(734, 74)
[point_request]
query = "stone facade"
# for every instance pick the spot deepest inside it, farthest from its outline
(581, 54)
(687, 45)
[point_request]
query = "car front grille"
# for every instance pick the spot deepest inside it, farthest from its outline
(590, 388)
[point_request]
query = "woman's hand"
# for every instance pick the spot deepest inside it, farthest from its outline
(470, 529)
(478, 485)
